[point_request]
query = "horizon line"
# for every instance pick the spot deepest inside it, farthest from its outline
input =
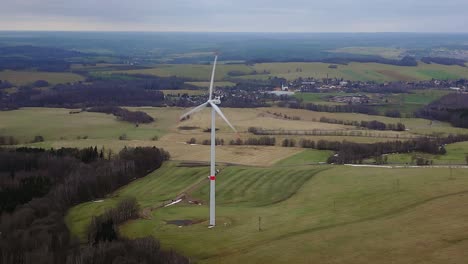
(232, 32)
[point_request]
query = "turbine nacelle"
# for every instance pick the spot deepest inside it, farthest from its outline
(216, 101)
(213, 103)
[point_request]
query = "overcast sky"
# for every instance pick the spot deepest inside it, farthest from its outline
(237, 15)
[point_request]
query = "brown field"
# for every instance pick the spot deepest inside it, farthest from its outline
(179, 150)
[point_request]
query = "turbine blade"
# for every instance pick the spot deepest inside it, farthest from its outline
(216, 108)
(212, 77)
(196, 109)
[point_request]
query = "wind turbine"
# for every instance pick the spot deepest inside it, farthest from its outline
(214, 109)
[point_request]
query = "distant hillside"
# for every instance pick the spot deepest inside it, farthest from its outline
(40, 58)
(452, 108)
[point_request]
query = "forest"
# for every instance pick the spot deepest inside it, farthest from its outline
(451, 108)
(79, 95)
(136, 117)
(38, 186)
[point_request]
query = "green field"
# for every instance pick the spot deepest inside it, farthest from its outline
(456, 154)
(28, 77)
(405, 103)
(319, 214)
(363, 71)
(308, 156)
(293, 70)
(59, 128)
(56, 124)
(193, 71)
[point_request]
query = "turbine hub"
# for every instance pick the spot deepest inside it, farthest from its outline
(216, 100)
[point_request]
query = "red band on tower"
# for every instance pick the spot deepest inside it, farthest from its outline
(212, 178)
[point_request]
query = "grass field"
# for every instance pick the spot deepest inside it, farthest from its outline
(193, 71)
(293, 70)
(309, 214)
(56, 124)
(61, 129)
(28, 77)
(415, 125)
(363, 71)
(308, 156)
(455, 155)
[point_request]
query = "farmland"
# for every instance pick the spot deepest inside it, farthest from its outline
(59, 128)
(325, 214)
(274, 204)
(292, 70)
(295, 185)
(28, 77)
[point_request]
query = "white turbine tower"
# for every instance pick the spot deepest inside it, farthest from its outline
(214, 109)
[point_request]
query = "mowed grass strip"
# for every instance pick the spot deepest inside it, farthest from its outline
(257, 186)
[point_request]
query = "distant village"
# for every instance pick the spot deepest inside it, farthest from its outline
(255, 95)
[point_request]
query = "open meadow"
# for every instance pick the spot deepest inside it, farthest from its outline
(59, 128)
(274, 204)
(319, 214)
(292, 70)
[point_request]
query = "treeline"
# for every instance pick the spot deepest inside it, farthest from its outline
(362, 109)
(405, 61)
(103, 228)
(35, 231)
(260, 141)
(321, 132)
(451, 108)
(145, 250)
(80, 95)
(123, 114)
(444, 61)
(351, 152)
(374, 124)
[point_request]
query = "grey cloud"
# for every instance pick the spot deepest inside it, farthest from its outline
(243, 15)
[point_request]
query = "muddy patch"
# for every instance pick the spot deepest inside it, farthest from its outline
(183, 222)
(188, 127)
